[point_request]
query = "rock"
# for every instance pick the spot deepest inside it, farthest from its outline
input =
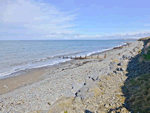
(40, 111)
(77, 86)
(49, 103)
(96, 91)
(93, 79)
(119, 64)
(115, 72)
(61, 104)
(112, 112)
(19, 102)
(76, 93)
(69, 93)
(1, 105)
(119, 69)
(78, 99)
(6, 86)
(106, 105)
(94, 76)
(1, 101)
(112, 66)
(0, 109)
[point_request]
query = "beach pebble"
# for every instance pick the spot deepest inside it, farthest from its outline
(49, 103)
(6, 86)
(1, 104)
(106, 105)
(119, 64)
(119, 69)
(115, 72)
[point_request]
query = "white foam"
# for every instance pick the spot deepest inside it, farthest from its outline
(100, 51)
(15, 70)
(34, 64)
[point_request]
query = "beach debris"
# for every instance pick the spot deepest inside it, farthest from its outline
(118, 47)
(97, 56)
(105, 55)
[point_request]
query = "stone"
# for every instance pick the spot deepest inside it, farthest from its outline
(49, 103)
(19, 102)
(1, 105)
(119, 64)
(77, 86)
(61, 104)
(119, 69)
(106, 105)
(94, 76)
(96, 91)
(5, 86)
(112, 112)
(115, 72)
(78, 99)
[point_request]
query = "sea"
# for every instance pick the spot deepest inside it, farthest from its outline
(17, 56)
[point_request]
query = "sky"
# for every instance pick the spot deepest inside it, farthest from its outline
(74, 19)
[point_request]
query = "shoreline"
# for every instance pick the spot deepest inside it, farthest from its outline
(74, 83)
(33, 75)
(20, 72)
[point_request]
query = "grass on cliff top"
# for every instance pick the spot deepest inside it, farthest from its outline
(139, 91)
(145, 38)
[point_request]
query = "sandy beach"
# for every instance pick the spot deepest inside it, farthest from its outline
(94, 83)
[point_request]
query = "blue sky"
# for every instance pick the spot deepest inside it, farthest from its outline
(74, 19)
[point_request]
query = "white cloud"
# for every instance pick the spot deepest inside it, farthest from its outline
(147, 25)
(34, 18)
(134, 35)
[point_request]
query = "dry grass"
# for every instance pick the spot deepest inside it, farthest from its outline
(145, 38)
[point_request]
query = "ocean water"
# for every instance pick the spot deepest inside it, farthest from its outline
(16, 56)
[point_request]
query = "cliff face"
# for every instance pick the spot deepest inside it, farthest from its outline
(137, 87)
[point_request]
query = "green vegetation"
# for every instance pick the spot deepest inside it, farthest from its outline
(146, 56)
(66, 112)
(139, 91)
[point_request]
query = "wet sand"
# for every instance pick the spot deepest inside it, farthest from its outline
(11, 83)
